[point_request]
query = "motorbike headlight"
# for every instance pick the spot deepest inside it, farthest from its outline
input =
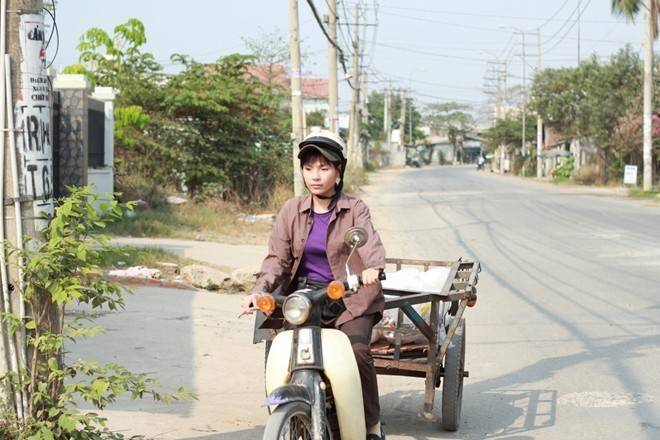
(296, 309)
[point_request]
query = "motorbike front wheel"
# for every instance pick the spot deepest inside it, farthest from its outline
(291, 421)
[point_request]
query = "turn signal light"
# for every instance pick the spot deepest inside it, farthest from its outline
(266, 303)
(472, 302)
(336, 290)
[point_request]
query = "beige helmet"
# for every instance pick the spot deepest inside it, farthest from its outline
(329, 144)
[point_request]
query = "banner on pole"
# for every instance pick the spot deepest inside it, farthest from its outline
(34, 141)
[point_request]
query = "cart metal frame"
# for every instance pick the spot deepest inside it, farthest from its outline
(459, 288)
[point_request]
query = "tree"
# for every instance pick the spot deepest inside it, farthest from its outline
(376, 107)
(316, 118)
(630, 9)
(227, 129)
(508, 131)
(118, 61)
(213, 127)
(452, 119)
(591, 100)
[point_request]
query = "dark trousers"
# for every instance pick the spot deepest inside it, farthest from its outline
(359, 333)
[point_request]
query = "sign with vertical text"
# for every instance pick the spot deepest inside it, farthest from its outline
(34, 141)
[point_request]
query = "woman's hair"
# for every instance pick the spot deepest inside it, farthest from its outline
(312, 155)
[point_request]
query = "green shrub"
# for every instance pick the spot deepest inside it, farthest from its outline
(63, 269)
(565, 169)
(134, 187)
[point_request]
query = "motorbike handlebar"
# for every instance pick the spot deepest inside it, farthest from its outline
(279, 299)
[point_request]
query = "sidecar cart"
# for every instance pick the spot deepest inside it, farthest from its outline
(438, 353)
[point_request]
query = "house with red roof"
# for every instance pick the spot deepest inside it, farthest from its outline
(314, 90)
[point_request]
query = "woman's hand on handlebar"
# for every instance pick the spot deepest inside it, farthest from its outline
(249, 303)
(370, 277)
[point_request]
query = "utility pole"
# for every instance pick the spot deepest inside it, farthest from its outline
(579, 12)
(364, 150)
(410, 125)
(26, 159)
(296, 96)
(332, 66)
(387, 119)
(539, 121)
(647, 183)
(402, 117)
(524, 104)
(402, 125)
(354, 133)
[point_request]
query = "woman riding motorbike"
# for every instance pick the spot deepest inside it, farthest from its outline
(306, 249)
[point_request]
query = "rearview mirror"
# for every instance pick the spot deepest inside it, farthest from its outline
(355, 237)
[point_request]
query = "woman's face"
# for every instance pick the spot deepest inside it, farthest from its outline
(320, 176)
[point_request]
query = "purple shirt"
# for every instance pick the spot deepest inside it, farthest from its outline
(314, 264)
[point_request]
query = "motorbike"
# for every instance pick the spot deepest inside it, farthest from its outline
(313, 385)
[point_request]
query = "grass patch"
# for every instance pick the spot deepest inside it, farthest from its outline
(127, 256)
(639, 193)
(214, 221)
(562, 180)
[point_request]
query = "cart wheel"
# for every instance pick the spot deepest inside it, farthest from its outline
(452, 388)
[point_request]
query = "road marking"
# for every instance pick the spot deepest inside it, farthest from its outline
(603, 399)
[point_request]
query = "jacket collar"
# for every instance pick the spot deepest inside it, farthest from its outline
(342, 203)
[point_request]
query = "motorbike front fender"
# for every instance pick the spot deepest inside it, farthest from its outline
(289, 393)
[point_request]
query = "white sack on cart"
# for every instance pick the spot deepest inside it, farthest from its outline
(415, 280)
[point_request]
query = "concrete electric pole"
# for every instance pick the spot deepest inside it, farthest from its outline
(524, 104)
(647, 183)
(296, 96)
(26, 157)
(354, 130)
(386, 115)
(332, 66)
(539, 121)
(402, 120)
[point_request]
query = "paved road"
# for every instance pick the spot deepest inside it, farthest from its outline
(564, 343)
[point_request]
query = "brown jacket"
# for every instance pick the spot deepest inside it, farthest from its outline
(287, 243)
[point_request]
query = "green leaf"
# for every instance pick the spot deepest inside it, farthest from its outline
(53, 365)
(67, 423)
(31, 325)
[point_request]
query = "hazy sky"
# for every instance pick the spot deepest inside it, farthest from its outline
(438, 49)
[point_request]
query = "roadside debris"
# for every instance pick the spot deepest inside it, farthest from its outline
(136, 272)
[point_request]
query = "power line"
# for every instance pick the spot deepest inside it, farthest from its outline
(376, 72)
(486, 28)
(553, 15)
(431, 54)
(443, 98)
(568, 20)
(569, 29)
(508, 17)
(327, 36)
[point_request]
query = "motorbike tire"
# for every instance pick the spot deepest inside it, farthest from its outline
(280, 420)
(452, 387)
(268, 343)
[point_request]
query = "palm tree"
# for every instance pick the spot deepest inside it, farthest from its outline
(630, 9)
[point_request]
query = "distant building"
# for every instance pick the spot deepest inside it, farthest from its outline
(440, 144)
(314, 90)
